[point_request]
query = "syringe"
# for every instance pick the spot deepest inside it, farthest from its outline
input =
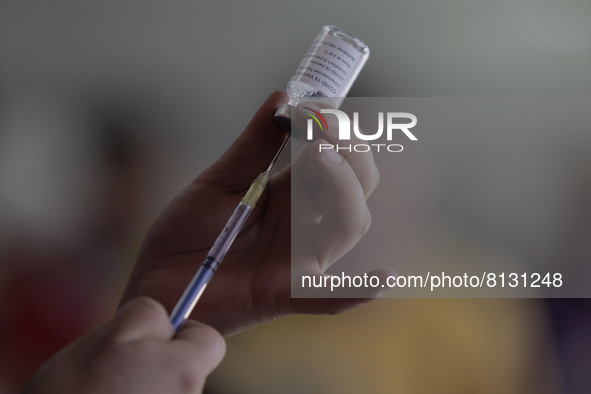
(216, 254)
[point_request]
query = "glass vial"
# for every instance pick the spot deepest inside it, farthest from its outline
(327, 71)
(329, 67)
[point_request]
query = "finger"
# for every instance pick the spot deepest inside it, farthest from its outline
(252, 152)
(306, 203)
(348, 217)
(206, 346)
(141, 318)
(363, 163)
(339, 296)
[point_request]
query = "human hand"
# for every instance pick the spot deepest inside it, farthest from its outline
(252, 285)
(136, 352)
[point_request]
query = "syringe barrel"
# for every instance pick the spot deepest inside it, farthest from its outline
(216, 254)
(192, 293)
(231, 229)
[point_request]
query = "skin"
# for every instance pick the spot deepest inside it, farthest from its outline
(253, 283)
(136, 352)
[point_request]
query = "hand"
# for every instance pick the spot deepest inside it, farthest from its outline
(136, 352)
(252, 285)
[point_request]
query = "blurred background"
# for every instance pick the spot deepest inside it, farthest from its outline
(108, 109)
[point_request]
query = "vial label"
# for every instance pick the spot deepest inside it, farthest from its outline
(327, 65)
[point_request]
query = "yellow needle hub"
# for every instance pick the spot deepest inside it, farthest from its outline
(256, 189)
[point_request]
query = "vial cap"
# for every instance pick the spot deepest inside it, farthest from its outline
(282, 117)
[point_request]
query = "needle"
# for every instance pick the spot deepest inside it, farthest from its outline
(222, 244)
(278, 153)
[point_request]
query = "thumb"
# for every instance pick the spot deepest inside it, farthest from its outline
(252, 152)
(141, 318)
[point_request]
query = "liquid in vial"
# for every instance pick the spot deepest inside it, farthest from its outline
(326, 73)
(329, 67)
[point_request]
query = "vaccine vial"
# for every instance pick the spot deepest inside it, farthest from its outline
(329, 67)
(327, 71)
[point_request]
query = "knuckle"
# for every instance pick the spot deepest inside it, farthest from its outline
(207, 341)
(149, 305)
(373, 179)
(133, 319)
(191, 380)
(365, 224)
(210, 333)
(376, 177)
(215, 338)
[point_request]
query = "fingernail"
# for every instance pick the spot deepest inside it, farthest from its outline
(331, 156)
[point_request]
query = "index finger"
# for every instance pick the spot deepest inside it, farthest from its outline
(363, 163)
